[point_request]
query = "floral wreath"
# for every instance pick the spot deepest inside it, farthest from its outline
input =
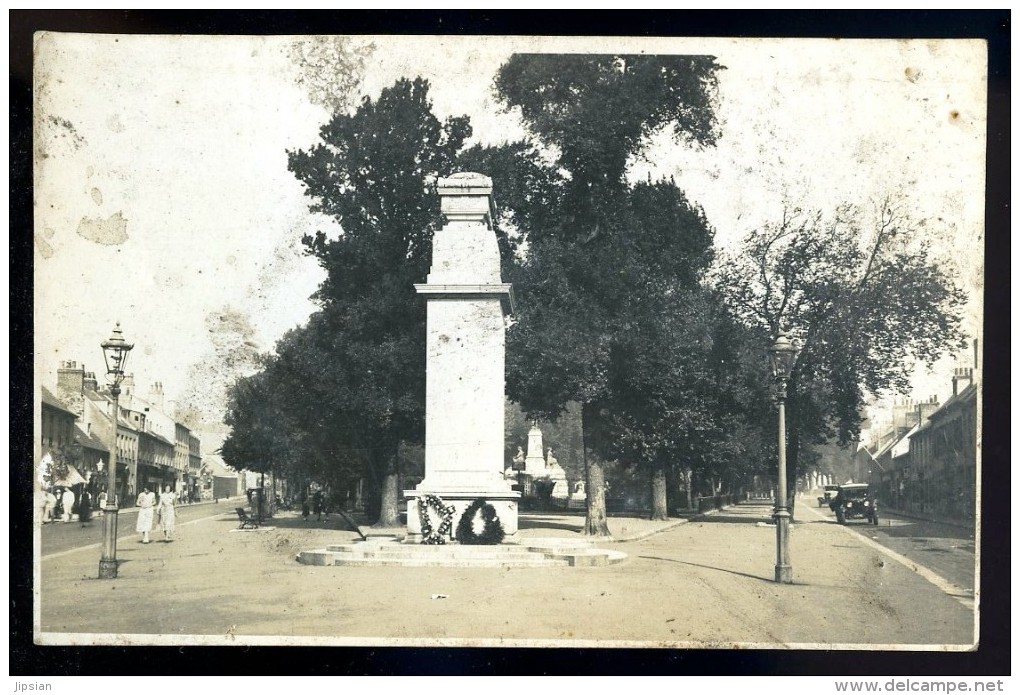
(435, 536)
(492, 534)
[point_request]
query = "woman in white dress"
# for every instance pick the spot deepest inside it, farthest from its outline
(167, 513)
(145, 503)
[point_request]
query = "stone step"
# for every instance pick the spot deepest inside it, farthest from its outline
(431, 549)
(536, 552)
(537, 561)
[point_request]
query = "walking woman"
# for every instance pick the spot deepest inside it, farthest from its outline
(85, 507)
(167, 513)
(145, 502)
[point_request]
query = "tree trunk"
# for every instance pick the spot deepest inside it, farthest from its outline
(595, 521)
(389, 506)
(792, 451)
(660, 510)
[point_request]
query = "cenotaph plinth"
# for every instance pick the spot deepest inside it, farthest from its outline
(466, 301)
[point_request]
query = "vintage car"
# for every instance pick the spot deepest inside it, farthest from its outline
(830, 492)
(854, 501)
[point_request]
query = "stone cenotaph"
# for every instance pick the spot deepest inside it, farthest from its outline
(466, 301)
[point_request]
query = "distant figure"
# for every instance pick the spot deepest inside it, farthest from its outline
(318, 505)
(102, 503)
(550, 460)
(39, 506)
(68, 501)
(85, 508)
(167, 513)
(304, 506)
(145, 503)
(51, 505)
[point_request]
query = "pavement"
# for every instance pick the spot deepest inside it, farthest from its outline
(687, 583)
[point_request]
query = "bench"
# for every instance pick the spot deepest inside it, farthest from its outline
(246, 520)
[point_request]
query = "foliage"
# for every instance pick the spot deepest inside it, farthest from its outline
(349, 386)
(435, 535)
(598, 110)
(492, 533)
(864, 295)
(598, 274)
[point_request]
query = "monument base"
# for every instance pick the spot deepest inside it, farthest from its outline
(505, 502)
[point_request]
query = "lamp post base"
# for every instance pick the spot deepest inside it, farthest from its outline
(784, 574)
(107, 569)
(108, 560)
(784, 569)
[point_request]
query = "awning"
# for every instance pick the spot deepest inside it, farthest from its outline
(73, 478)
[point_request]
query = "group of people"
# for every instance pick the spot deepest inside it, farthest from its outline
(59, 505)
(319, 501)
(149, 507)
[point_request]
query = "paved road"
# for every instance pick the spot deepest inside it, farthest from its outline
(60, 537)
(707, 583)
(945, 549)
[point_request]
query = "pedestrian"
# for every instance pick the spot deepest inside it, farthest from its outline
(67, 500)
(51, 505)
(39, 506)
(85, 508)
(102, 503)
(167, 513)
(304, 506)
(145, 503)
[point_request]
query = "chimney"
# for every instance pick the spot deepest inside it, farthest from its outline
(903, 412)
(70, 386)
(926, 408)
(961, 374)
(156, 395)
(89, 383)
(127, 386)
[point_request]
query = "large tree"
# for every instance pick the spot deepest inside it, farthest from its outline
(581, 286)
(374, 171)
(864, 294)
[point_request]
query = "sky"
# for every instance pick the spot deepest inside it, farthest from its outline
(163, 200)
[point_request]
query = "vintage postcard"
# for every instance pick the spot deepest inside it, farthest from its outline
(465, 341)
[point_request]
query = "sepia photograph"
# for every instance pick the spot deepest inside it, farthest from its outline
(505, 341)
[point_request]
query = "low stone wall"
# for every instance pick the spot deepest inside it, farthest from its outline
(707, 504)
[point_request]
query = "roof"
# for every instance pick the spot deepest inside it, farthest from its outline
(52, 401)
(854, 486)
(902, 447)
(959, 400)
(89, 440)
(218, 467)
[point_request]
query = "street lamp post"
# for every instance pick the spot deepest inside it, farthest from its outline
(115, 351)
(782, 357)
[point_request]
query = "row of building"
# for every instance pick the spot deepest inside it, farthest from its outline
(78, 427)
(924, 460)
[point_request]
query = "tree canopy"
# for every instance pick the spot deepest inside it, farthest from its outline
(864, 295)
(352, 381)
(597, 275)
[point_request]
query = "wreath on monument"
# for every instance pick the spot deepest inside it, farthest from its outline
(492, 533)
(437, 535)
